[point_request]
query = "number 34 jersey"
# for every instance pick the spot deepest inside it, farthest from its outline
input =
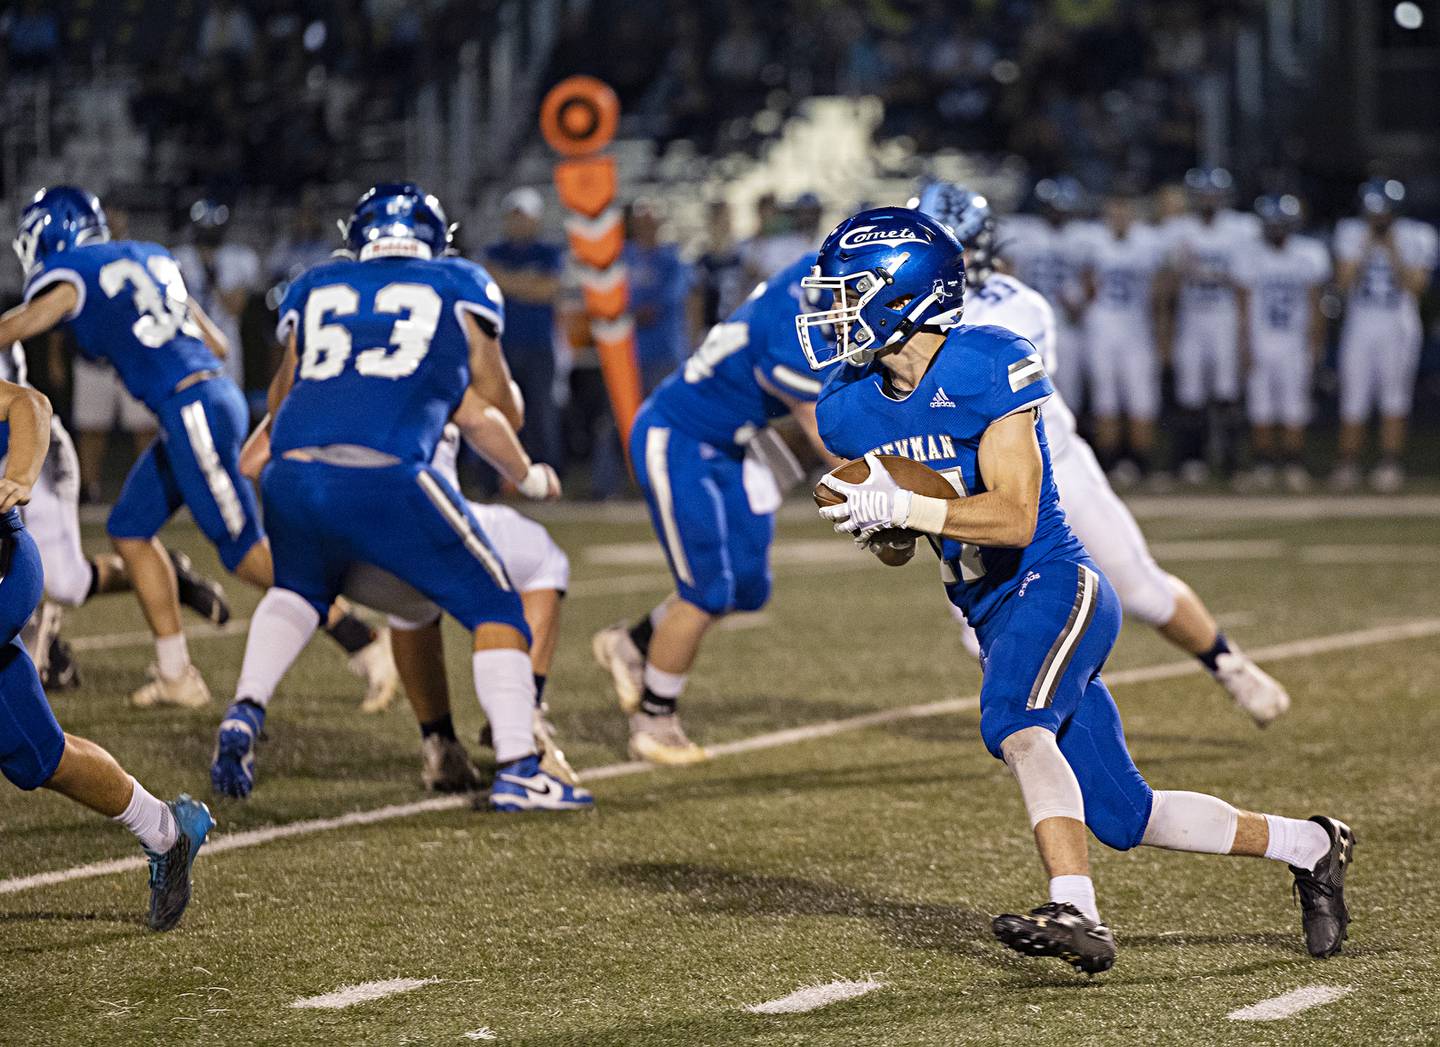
(132, 311)
(383, 359)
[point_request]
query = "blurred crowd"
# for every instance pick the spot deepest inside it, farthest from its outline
(1093, 88)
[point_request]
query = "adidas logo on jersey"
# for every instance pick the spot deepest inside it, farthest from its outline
(941, 400)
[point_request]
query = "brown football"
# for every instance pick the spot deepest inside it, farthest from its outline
(908, 473)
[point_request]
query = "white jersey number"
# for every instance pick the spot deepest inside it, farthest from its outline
(722, 341)
(158, 291)
(328, 344)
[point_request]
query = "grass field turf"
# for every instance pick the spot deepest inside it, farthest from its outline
(691, 894)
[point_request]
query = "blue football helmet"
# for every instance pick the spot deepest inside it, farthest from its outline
(1279, 210)
(397, 218)
(892, 271)
(60, 218)
(967, 214)
(1381, 196)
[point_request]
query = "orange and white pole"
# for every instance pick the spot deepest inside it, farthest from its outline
(578, 119)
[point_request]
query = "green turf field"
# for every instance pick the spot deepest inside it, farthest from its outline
(876, 853)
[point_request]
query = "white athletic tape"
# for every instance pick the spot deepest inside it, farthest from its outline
(234, 841)
(1290, 1004)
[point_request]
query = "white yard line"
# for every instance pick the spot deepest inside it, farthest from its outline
(813, 997)
(1369, 554)
(115, 641)
(1290, 1004)
(1309, 647)
(350, 995)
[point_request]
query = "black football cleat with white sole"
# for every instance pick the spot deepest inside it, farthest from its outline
(1059, 929)
(1321, 890)
(200, 594)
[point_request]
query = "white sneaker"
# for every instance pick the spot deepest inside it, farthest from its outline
(188, 690)
(40, 632)
(1297, 478)
(1124, 475)
(661, 739)
(374, 664)
(1194, 473)
(617, 654)
(1254, 690)
(446, 767)
(1387, 478)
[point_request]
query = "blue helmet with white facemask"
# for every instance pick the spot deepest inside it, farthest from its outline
(968, 215)
(892, 271)
(397, 218)
(60, 218)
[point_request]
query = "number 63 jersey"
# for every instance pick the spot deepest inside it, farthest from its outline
(132, 310)
(980, 375)
(383, 359)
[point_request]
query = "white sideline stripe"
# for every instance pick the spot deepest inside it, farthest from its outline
(350, 995)
(1369, 554)
(113, 641)
(1220, 549)
(1291, 1003)
(813, 997)
(1314, 645)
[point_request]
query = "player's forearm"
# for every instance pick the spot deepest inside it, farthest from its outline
(492, 438)
(37, 316)
(998, 519)
(28, 412)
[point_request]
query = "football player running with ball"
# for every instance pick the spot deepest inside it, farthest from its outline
(966, 401)
(1094, 512)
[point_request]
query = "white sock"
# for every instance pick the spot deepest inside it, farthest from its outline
(280, 628)
(1079, 891)
(172, 655)
(1185, 821)
(1297, 843)
(663, 684)
(150, 820)
(505, 685)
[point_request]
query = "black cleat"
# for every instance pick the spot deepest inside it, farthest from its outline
(61, 673)
(1323, 912)
(1059, 929)
(200, 594)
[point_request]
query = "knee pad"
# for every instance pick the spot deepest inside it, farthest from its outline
(1047, 782)
(68, 578)
(554, 569)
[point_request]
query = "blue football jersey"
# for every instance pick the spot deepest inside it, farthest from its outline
(727, 389)
(133, 312)
(383, 359)
(980, 375)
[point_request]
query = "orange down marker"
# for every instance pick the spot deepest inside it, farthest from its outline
(578, 119)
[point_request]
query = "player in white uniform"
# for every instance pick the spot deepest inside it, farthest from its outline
(1123, 258)
(1383, 264)
(71, 578)
(1045, 251)
(1095, 513)
(1203, 247)
(1280, 279)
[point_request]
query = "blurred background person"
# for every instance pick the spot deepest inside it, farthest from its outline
(1383, 265)
(1203, 247)
(1280, 282)
(1046, 251)
(719, 272)
(222, 275)
(1123, 257)
(659, 287)
(528, 271)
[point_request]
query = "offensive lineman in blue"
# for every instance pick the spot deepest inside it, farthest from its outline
(383, 348)
(126, 303)
(712, 503)
(34, 751)
(965, 401)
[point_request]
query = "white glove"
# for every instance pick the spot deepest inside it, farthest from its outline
(540, 483)
(875, 503)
